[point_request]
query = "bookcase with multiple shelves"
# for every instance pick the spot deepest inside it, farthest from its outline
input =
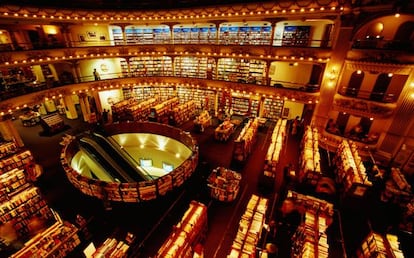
(224, 184)
(147, 34)
(379, 245)
(144, 92)
(310, 161)
(17, 160)
(275, 148)
(241, 70)
(250, 228)
(148, 66)
(195, 67)
(8, 148)
(52, 123)
(118, 36)
(161, 111)
(350, 170)
(183, 112)
(203, 98)
(186, 234)
(310, 238)
(245, 33)
(140, 110)
(272, 108)
(240, 106)
(198, 33)
(243, 145)
(113, 248)
(57, 240)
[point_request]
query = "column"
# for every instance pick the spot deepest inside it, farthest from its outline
(70, 108)
(9, 132)
(84, 105)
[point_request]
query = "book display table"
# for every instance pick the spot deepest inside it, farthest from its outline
(224, 184)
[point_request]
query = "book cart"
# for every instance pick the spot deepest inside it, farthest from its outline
(381, 246)
(244, 143)
(224, 184)
(250, 228)
(310, 160)
(187, 234)
(202, 121)
(275, 147)
(310, 238)
(350, 170)
(160, 112)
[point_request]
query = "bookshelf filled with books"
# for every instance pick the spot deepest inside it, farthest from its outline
(250, 228)
(187, 234)
(310, 161)
(241, 70)
(350, 170)
(275, 148)
(195, 67)
(243, 145)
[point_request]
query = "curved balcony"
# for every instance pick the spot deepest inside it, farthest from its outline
(363, 107)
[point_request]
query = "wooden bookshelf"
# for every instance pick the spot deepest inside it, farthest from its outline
(56, 241)
(350, 169)
(275, 147)
(186, 234)
(148, 66)
(17, 160)
(195, 67)
(161, 111)
(52, 123)
(272, 108)
(204, 99)
(244, 143)
(183, 112)
(241, 70)
(224, 184)
(8, 148)
(310, 161)
(250, 228)
(113, 248)
(379, 245)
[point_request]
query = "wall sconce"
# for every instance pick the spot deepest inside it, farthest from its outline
(332, 75)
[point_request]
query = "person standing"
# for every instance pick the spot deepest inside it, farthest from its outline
(105, 116)
(96, 75)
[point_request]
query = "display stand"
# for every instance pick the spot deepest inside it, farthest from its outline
(224, 184)
(202, 121)
(310, 162)
(275, 147)
(350, 170)
(377, 245)
(223, 132)
(244, 143)
(250, 228)
(187, 234)
(52, 123)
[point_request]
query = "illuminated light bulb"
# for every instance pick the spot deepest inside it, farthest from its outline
(390, 74)
(397, 15)
(359, 72)
(371, 118)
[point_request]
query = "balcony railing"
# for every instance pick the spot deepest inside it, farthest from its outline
(381, 97)
(19, 46)
(382, 44)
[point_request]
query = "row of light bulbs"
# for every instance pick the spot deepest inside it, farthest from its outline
(173, 17)
(46, 59)
(129, 85)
